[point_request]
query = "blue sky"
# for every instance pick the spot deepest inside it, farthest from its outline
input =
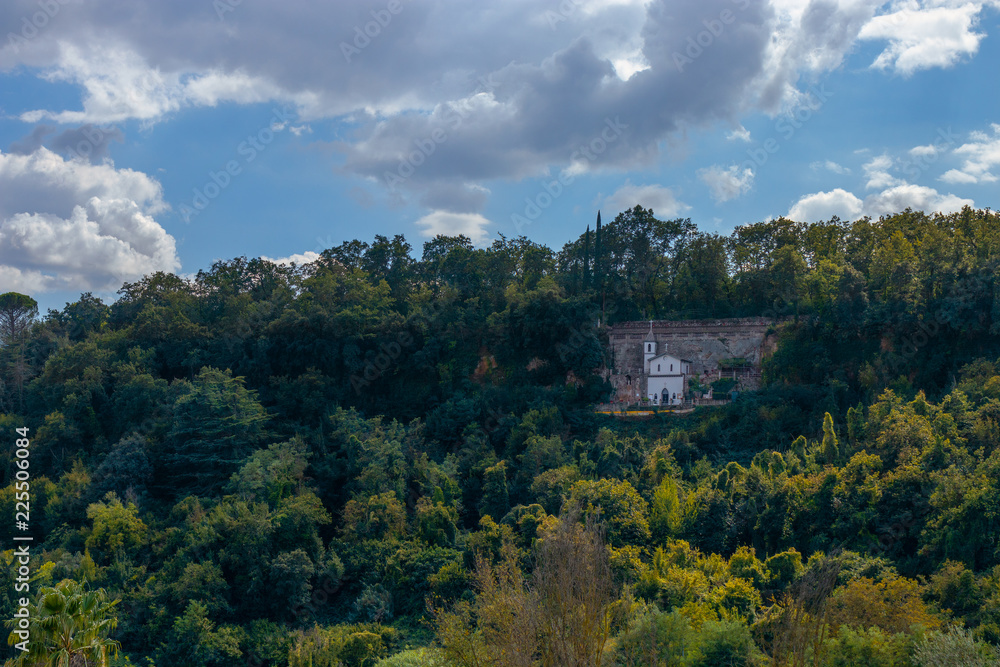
(138, 136)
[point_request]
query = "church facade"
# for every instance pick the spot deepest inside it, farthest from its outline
(665, 374)
(656, 362)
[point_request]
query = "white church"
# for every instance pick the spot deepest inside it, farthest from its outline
(665, 373)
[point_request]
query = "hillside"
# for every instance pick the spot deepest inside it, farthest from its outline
(372, 455)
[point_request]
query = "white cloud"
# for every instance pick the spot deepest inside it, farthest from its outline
(629, 65)
(807, 36)
(447, 223)
(728, 183)
(119, 85)
(847, 206)
(930, 150)
(298, 258)
(830, 165)
(661, 199)
(917, 197)
(71, 225)
(824, 205)
(516, 94)
(877, 171)
(957, 177)
(739, 134)
(25, 281)
(44, 181)
(983, 153)
(935, 33)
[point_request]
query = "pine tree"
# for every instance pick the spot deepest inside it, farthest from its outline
(17, 312)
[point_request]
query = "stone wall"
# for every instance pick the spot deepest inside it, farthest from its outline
(703, 342)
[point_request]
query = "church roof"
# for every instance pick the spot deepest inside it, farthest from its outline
(649, 337)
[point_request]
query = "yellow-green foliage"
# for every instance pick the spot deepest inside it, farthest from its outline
(421, 657)
(116, 526)
(340, 646)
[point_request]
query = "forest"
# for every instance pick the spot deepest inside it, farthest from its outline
(378, 460)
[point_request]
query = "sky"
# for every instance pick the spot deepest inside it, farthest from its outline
(140, 136)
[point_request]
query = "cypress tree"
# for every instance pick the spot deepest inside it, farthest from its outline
(855, 423)
(597, 250)
(586, 259)
(598, 268)
(799, 446)
(831, 449)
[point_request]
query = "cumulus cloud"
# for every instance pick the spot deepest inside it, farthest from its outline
(917, 197)
(728, 183)
(825, 205)
(877, 172)
(932, 33)
(521, 90)
(958, 177)
(80, 226)
(847, 206)
(447, 223)
(811, 36)
(927, 150)
(661, 199)
(982, 154)
(525, 95)
(298, 258)
(739, 134)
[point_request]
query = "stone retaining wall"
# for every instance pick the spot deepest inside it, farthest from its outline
(703, 342)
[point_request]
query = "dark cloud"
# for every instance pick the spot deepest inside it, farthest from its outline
(573, 108)
(449, 93)
(454, 197)
(32, 142)
(89, 142)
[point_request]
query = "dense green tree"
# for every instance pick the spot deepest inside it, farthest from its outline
(217, 421)
(259, 450)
